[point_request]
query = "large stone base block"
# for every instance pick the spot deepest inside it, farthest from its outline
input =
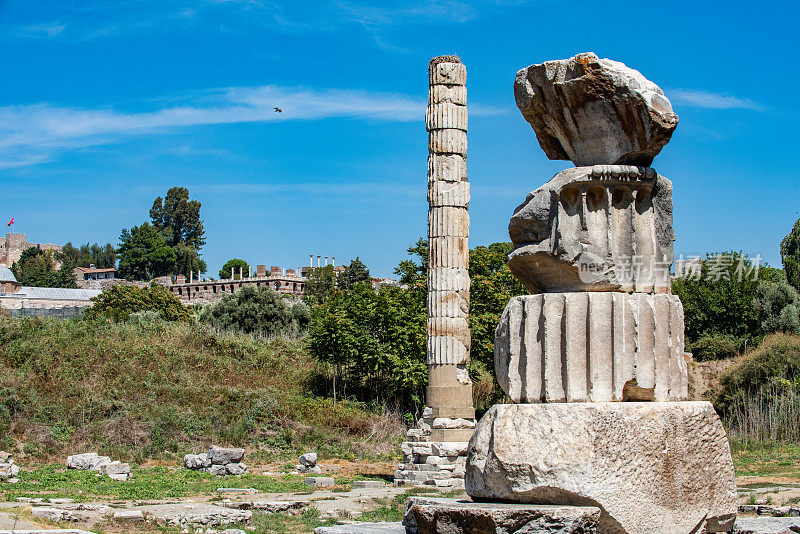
(449, 516)
(649, 466)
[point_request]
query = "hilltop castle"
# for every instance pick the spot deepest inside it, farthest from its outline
(12, 245)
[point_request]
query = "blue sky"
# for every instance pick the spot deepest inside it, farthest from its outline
(105, 105)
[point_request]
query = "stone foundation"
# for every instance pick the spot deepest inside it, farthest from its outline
(430, 461)
(446, 516)
(650, 466)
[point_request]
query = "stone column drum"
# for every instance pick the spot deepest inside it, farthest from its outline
(435, 452)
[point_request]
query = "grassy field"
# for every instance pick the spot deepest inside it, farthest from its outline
(778, 461)
(142, 391)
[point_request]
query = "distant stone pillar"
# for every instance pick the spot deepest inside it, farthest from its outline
(447, 422)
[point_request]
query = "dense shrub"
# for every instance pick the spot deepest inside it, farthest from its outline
(759, 398)
(119, 302)
(715, 347)
(251, 310)
(775, 361)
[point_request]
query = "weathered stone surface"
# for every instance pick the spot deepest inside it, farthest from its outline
(651, 467)
(447, 168)
(319, 482)
(358, 484)
(218, 470)
(8, 471)
(236, 468)
(452, 194)
(449, 516)
(447, 72)
(449, 279)
(196, 461)
(590, 229)
(309, 459)
(767, 525)
(575, 347)
(87, 460)
(450, 141)
(134, 516)
(446, 115)
(594, 111)
(363, 528)
(455, 94)
(224, 456)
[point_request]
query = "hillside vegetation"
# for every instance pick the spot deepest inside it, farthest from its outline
(148, 389)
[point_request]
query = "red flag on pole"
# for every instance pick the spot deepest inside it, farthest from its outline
(10, 222)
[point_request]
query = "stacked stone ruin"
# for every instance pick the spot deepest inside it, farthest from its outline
(435, 452)
(602, 333)
(599, 438)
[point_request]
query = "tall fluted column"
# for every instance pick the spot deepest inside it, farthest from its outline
(449, 394)
(436, 450)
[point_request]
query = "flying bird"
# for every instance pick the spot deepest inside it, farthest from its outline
(278, 110)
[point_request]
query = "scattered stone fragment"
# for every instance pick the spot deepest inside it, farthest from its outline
(369, 484)
(767, 525)
(319, 482)
(309, 459)
(54, 515)
(269, 507)
(134, 516)
(233, 531)
(196, 461)
(30, 499)
(63, 500)
(224, 456)
(87, 460)
(219, 470)
(218, 517)
(8, 471)
(363, 528)
(237, 490)
(236, 468)
(594, 111)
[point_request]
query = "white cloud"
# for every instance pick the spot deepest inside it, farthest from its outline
(33, 134)
(703, 99)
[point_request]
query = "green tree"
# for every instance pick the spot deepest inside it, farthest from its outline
(491, 287)
(252, 310)
(722, 300)
(320, 284)
(37, 268)
(374, 341)
(118, 303)
(102, 257)
(234, 264)
(143, 255)
(353, 274)
(778, 307)
(790, 255)
(177, 218)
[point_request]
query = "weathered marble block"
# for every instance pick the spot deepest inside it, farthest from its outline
(578, 347)
(601, 228)
(594, 111)
(650, 467)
